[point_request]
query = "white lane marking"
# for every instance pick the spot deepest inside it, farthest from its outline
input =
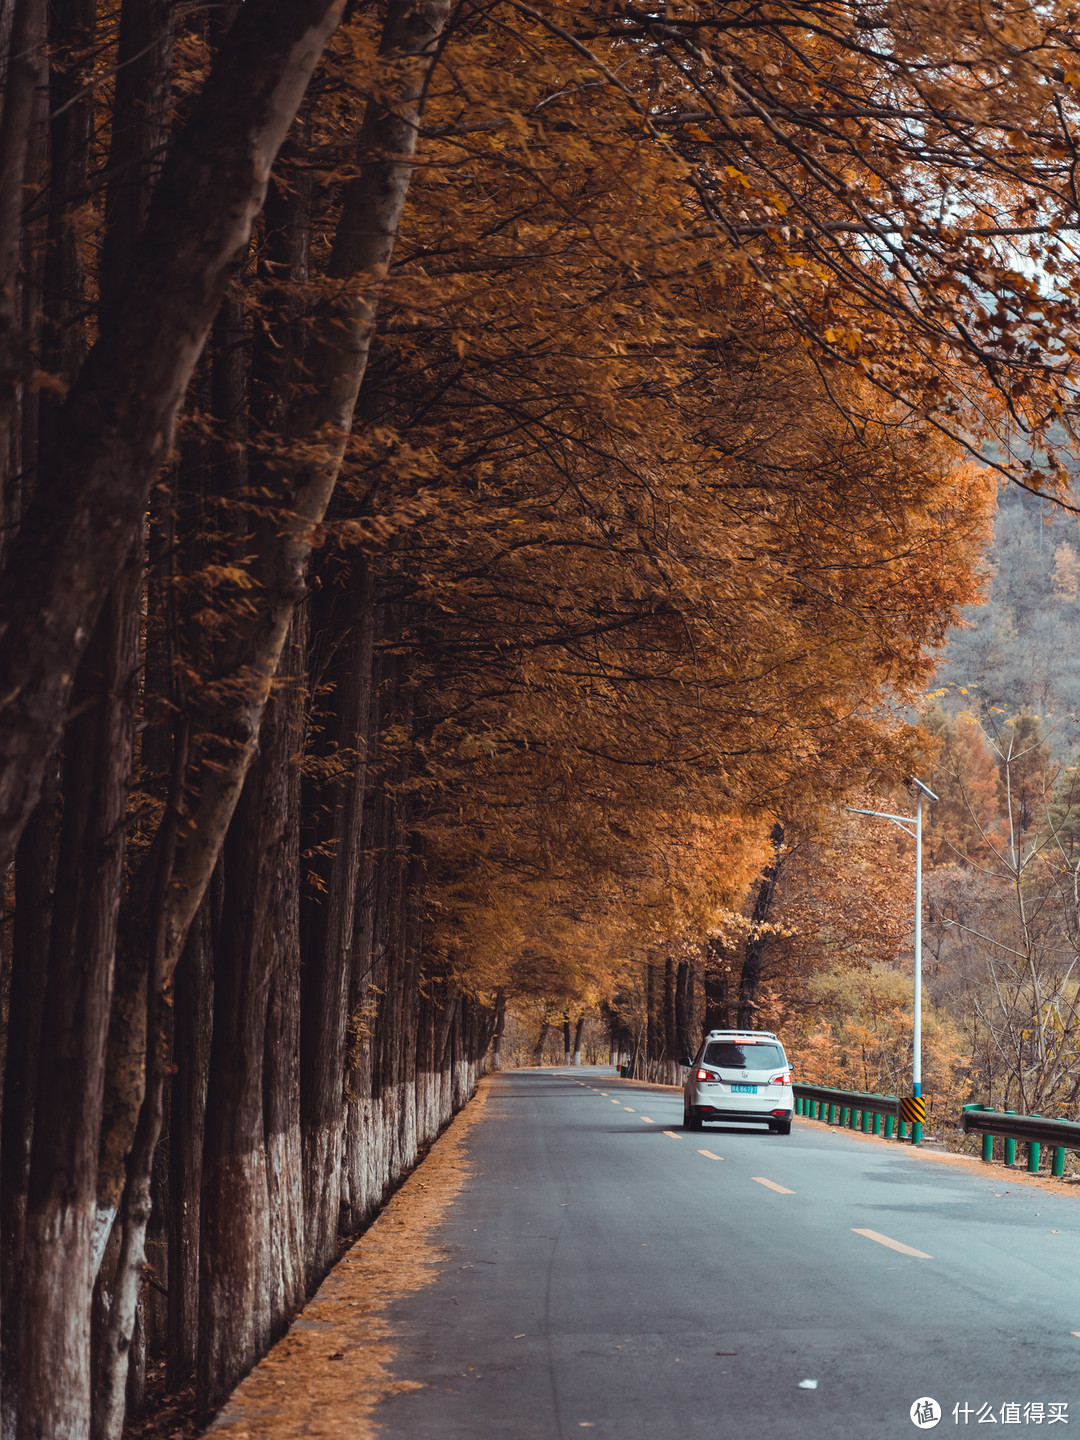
(780, 1190)
(673, 1134)
(646, 1121)
(893, 1244)
(627, 1107)
(709, 1155)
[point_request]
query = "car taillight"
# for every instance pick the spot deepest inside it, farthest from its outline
(784, 1079)
(705, 1075)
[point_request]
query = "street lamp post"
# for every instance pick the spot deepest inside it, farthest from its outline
(903, 821)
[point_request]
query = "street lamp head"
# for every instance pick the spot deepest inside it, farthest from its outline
(924, 788)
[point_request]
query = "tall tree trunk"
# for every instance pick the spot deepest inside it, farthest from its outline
(719, 986)
(500, 1027)
(92, 494)
(685, 1042)
(750, 980)
(327, 913)
(35, 880)
(193, 997)
(671, 1034)
(237, 1280)
(566, 1038)
(578, 1032)
(24, 77)
(541, 1041)
(58, 1262)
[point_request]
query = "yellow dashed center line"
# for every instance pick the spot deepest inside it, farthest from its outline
(673, 1134)
(780, 1189)
(646, 1121)
(709, 1155)
(893, 1244)
(627, 1108)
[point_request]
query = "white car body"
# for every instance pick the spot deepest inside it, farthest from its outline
(739, 1075)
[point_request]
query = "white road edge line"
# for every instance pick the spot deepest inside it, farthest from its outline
(709, 1155)
(892, 1244)
(674, 1134)
(772, 1185)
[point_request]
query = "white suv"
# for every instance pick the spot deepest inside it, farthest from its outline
(739, 1075)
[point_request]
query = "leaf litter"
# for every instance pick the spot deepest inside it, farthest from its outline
(326, 1375)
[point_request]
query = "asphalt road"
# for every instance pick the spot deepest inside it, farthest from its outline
(612, 1275)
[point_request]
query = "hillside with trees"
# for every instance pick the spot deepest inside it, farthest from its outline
(1018, 648)
(482, 488)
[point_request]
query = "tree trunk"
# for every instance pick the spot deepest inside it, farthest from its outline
(193, 1018)
(327, 914)
(60, 1243)
(500, 1026)
(566, 1039)
(25, 75)
(578, 1032)
(757, 942)
(35, 880)
(237, 1279)
(685, 1041)
(538, 1051)
(92, 493)
(718, 987)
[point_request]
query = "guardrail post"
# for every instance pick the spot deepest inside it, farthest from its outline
(988, 1148)
(1010, 1145)
(890, 1126)
(903, 1130)
(877, 1122)
(830, 1114)
(1059, 1161)
(1034, 1151)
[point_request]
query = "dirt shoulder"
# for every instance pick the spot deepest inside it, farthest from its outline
(325, 1376)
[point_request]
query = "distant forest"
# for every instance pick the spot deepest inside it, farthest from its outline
(1020, 648)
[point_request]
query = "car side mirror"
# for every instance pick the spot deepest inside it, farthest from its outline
(686, 1061)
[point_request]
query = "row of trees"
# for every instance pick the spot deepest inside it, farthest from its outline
(477, 482)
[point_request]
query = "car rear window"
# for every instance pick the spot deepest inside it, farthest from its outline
(744, 1057)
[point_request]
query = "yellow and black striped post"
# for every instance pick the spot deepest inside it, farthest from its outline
(913, 1110)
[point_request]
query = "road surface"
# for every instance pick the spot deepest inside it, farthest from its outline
(614, 1276)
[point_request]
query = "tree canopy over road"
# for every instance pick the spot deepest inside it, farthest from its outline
(479, 484)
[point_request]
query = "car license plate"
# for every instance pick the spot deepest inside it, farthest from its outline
(744, 1089)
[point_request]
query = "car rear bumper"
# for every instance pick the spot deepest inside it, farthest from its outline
(772, 1102)
(763, 1117)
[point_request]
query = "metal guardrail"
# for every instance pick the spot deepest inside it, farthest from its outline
(853, 1109)
(1033, 1130)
